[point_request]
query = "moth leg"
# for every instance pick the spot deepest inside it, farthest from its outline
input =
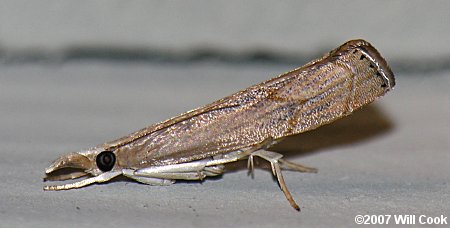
(250, 166)
(200, 175)
(152, 181)
(214, 170)
(195, 170)
(193, 166)
(261, 146)
(274, 159)
(97, 179)
(237, 155)
(230, 157)
(284, 164)
(147, 180)
(287, 165)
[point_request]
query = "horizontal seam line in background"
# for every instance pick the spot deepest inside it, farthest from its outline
(198, 55)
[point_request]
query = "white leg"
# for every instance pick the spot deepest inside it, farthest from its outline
(193, 166)
(250, 166)
(152, 181)
(196, 170)
(200, 175)
(214, 170)
(147, 180)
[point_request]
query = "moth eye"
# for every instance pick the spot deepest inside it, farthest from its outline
(105, 161)
(362, 57)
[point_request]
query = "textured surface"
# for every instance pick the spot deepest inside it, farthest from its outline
(391, 157)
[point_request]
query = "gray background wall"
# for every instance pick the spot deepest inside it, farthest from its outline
(404, 29)
(74, 74)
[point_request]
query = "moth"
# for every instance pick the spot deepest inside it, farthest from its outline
(198, 143)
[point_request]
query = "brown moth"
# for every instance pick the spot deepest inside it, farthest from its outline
(197, 143)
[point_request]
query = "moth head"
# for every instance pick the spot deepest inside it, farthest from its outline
(74, 165)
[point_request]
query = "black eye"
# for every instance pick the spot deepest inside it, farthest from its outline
(105, 160)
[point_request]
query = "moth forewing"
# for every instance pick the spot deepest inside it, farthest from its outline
(196, 144)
